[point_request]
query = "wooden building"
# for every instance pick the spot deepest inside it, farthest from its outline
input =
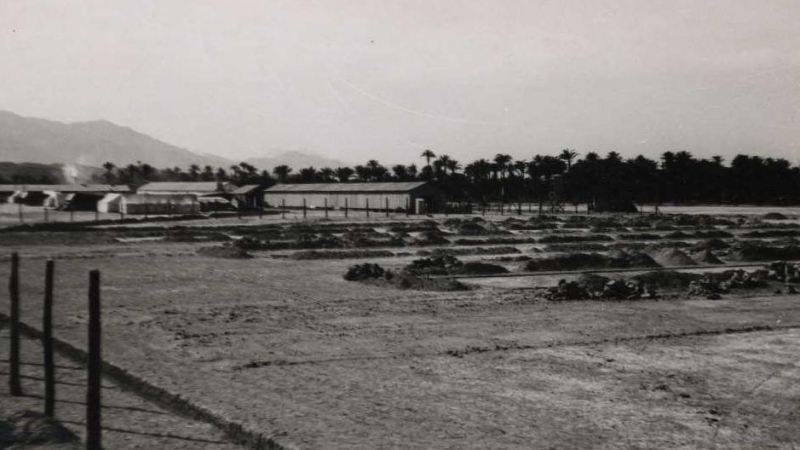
(419, 197)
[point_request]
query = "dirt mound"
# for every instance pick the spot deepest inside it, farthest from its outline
(450, 265)
(480, 268)
(559, 239)
(706, 257)
(757, 251)
(774, 216)
(599, 288)
(230, 251)
(431, 237)
(639, 237)
(585, 261)
(470, 229)
(677, 235)
(710, 244)
(377, 275)
(469, 251)
(577, 247)
(366, 271)
(772, 233)
(672, 257)
(316, 254)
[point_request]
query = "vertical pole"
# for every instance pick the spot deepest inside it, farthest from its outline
(261, 210)
(519, 207)
(304, 207)
(14, 386)
(502, 206)
(93, 438)
(345, 207)
(96, 214)
(283, 208)
(145, 206)
(408, 206)
(45, 214)
(367, 206)
(47, 343)
(71, 214)
(386, 204)
(19, 209)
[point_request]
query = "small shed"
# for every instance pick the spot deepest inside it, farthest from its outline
(110, 203)
(418, 197)
(248, 197)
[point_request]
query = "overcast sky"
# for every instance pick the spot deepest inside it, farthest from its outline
(356, 79)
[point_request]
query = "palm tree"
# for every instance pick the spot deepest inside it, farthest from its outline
(428, 155)
(282, 172)
(568, 156)
(194, 172)
(502, 161)
(343, 174)
(452, 165)
(327, 174)
(109, 175)
(208, 174)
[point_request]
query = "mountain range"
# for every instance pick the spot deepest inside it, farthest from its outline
(35, 140)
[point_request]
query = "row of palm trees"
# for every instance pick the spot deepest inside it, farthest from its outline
(676, 177)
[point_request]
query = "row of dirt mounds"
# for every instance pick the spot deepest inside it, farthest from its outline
(775, 278)
(587, 261)
(343, 254)
(756, 251)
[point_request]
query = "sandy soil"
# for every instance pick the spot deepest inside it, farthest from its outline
(291, 349)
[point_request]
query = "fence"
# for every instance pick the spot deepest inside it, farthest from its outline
(93, 387)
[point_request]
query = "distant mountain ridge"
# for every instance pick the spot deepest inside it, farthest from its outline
(296, 160)
(29, 139)
(43, 141)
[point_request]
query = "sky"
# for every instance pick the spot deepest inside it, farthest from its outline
(360, 79)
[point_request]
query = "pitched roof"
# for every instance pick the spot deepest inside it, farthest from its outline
(65, 187)
(184, 186)
(245, 189)
(348, 187)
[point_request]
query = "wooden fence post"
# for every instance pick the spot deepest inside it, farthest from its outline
(47, 342)
(326, 207)
(304, 207)
(14, 385)
(408, 206)
(386, 204)
(519, 207)
(45, 215)
(283, 208)
(367, 207)
(93, 433)
(345, 207)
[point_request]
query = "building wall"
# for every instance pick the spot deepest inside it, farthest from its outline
(159, 209)
(336, 200)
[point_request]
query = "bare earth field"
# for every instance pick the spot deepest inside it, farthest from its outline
(288, 348)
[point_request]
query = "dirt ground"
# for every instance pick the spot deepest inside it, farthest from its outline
(289, 348)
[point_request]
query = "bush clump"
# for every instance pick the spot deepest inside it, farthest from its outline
(366, 271)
